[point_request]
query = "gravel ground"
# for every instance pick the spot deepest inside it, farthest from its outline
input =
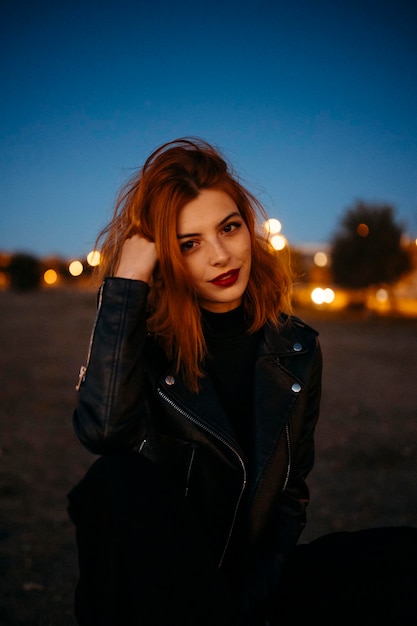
(365, 473)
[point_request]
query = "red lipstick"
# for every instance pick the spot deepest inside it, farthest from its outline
(226, 280)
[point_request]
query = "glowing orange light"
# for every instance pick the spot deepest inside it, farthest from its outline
(50, 277)
(362, 230)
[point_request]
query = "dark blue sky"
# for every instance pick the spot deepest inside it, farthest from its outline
(313, 101)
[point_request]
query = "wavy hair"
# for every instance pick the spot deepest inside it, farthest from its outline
(149, 205)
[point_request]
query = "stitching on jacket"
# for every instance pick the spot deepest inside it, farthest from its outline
(84, 368)
(116, 362)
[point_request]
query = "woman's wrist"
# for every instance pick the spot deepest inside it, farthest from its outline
(133, 275)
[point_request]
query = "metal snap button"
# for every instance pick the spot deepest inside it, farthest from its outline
(297, 347)
(296, 387)
(170, 380)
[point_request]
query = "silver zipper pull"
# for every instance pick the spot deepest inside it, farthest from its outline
(81, 377)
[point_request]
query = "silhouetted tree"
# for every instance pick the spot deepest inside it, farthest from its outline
(24, 271)
(367, 250)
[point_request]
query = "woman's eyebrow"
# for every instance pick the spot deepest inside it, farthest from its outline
(223, 221)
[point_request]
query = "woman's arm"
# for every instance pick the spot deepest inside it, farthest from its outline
(111, 414)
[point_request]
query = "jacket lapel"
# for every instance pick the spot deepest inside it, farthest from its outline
(278, 390)
(204, 407)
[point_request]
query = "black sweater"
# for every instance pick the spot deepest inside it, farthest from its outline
(230, 364)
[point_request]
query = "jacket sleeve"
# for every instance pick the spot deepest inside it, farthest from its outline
(111, 408)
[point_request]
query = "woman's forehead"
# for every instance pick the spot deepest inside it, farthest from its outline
(210, 208)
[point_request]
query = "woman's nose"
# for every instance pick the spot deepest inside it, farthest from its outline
(218, 253)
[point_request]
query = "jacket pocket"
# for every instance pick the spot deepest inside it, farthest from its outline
(176, 456)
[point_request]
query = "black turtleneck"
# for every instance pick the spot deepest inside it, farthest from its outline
(230, 364)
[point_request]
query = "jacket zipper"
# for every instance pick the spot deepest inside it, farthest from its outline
(190, 465)
(83, 368)
(140, 447)
(287, 475)
(228, 445)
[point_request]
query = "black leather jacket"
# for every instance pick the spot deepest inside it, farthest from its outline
(130, 399)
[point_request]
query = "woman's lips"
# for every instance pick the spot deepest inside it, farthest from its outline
(226, 280)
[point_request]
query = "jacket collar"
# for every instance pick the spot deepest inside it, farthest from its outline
(277, 389)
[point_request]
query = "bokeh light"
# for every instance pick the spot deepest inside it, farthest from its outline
(273, 226)
(93, 258)
(278, 242)
(322, 296)
(75, 268)
(362, 230)
(50, 277)
(320, 259)
(382, 295)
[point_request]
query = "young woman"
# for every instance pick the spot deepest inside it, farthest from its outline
(201, 395)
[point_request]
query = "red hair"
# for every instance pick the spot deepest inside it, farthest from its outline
(149, 205)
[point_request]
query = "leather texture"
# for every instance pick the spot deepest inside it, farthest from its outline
(131, 398)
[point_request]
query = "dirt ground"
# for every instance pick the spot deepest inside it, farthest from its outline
(365, 474)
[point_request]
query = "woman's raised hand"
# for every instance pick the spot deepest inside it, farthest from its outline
(137, 260)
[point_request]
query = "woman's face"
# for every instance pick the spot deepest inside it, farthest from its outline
(216, 247)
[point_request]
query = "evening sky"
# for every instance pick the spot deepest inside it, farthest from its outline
(313, 101)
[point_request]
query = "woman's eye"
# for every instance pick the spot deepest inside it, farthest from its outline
(187, 246)
(228, 228)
